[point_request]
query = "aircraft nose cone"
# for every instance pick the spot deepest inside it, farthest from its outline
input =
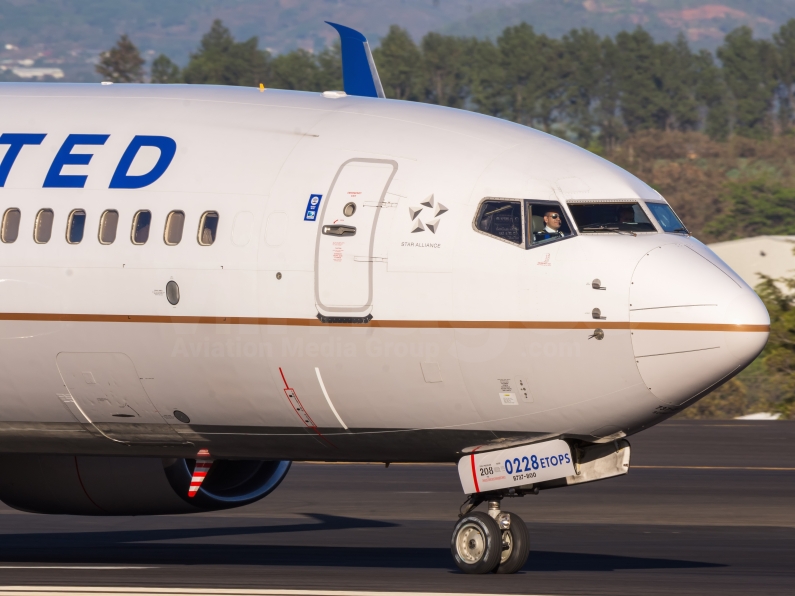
(693, 325)
(747, 311)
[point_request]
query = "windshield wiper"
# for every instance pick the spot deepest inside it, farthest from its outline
(681, 230)
(606, 228)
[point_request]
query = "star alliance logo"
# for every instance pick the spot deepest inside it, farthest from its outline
(436, 208)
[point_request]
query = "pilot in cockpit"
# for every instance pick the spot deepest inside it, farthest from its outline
(626, 214)
(552, 222)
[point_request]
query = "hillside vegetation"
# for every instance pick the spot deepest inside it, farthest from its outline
(63, 26)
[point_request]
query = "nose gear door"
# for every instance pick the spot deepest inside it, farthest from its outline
(345, 237)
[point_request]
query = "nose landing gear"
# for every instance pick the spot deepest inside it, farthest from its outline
(476, 543)
(494, 542)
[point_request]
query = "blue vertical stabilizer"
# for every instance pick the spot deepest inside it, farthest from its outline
(358, 69)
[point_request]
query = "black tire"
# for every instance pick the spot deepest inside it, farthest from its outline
(517, 539)
(476, 543)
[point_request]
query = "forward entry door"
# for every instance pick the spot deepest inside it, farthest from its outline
(346, 235)
(106, 389)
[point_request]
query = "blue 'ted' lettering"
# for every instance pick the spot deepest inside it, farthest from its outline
(65, 157)
(17, 141)
(121, 178)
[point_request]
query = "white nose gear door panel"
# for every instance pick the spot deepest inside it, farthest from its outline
(344, 250)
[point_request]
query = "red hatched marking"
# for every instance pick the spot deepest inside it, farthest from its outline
(298, 407)
(474, 473)
(199, 474)
(296, 404)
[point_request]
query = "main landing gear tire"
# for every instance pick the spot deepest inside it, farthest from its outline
(477, 543)
(515, 545)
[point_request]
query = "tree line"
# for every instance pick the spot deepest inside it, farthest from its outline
(593, 90)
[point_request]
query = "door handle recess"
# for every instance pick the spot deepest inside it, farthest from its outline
(339, 230)
(369, 259)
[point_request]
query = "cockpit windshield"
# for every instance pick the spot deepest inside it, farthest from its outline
(610, 217)
(668, 220)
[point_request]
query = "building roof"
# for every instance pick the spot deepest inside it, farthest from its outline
(770, 255)
(37, 73)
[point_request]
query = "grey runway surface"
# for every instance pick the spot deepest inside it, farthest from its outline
(708, 508)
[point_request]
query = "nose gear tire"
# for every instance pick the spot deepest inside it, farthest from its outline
(476, 543)
(515, 546)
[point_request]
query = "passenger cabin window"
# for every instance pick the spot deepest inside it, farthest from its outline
(547, 222)
(624, 216)
(10, 229)
(107, 226)
(502, 219)
(75, 226)
(42, 230)
(140, 228)
(208, 226)
(175, 222)
(666, 217)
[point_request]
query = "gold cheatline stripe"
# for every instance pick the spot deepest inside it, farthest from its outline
(383, 323)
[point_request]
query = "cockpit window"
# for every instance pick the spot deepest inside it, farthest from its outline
(610, 217)
(502, 219)
(523, 223)
(547, 223)
(667, 218)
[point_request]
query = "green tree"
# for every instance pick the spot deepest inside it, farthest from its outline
(7, 76)
(535, 71)
(446, 71)
(755, 207)
(784, 41)
(678, 80)
(330, 64)
(522, 69)
(776, 384)
(711, 93)
(485, 78)
(607, 114)
(657, 83)
(221, 60)
(296, 70)
(399, 63)
(164, 71)
(586, 84)
(644, 105)
(122, 63)
(553, 83)
(749, 67)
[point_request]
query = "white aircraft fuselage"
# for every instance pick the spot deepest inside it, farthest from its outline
(393, 330)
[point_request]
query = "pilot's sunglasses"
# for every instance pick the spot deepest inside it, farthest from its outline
(554, 216)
